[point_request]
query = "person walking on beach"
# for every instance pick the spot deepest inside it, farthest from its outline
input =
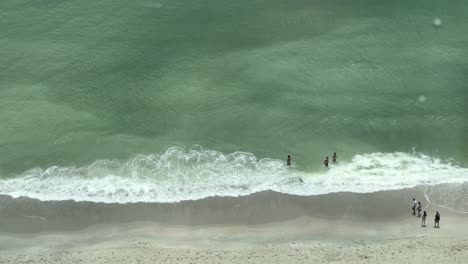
(414, 206)
(334, 157)
(419, 209)
(288, 162)
(436, 220)
(423, 221)
(325, 162)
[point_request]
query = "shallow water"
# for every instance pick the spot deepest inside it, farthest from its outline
(84, 82)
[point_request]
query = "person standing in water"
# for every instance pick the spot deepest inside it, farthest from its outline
(288, 162)
(419, 209)
(414, 206)
(334, 157)
(436, 220)
(423, 221)
(325, 162)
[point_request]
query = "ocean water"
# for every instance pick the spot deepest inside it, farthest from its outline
(155, 101)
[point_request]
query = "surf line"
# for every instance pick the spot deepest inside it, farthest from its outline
(426, 195)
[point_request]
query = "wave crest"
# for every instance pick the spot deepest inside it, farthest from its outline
(178, 174)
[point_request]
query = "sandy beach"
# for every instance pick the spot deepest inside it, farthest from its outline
(265, 227)
(216, 132)
(241, 245)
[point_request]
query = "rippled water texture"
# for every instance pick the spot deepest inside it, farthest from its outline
(86, 81)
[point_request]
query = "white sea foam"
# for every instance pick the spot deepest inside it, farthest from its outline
(178, 174)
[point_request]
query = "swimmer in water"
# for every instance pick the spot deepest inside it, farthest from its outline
(334, 157)
(288, 162)
(325, 162)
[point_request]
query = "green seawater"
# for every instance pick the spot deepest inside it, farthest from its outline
(87, 80)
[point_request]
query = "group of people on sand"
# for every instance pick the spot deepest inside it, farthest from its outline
(325, 162)
(417, 206)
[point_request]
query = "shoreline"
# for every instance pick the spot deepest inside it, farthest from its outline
(25, 215)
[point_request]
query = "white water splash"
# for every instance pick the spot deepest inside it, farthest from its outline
(178, 174)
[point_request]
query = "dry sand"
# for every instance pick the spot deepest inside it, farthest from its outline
(320, 242)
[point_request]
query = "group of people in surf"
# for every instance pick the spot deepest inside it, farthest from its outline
(334, 157)
(417, 206)
(325, 162)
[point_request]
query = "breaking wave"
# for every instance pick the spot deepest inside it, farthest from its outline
(179, 174)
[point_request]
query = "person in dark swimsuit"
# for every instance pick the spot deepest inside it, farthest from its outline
(419, 209)
(334, 157)
(423, 221)
(288, 162)
(436, 220)
(325, 162)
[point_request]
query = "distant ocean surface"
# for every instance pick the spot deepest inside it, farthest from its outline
(162, 101)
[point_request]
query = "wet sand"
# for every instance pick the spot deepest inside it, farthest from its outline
(261, 228)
